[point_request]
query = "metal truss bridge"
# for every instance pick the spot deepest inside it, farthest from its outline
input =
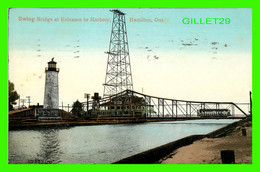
(158, 107)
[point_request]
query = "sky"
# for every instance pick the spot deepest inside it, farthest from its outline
(203, 62)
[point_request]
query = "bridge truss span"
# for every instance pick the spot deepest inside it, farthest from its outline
(165, 107)
(130, 102)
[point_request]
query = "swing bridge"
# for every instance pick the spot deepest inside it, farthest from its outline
(134, 104)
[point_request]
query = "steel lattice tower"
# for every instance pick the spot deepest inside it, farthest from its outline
(118, 72)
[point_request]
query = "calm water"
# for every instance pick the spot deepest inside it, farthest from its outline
(100, 144)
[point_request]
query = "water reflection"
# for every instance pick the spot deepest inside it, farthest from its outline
(50, 152)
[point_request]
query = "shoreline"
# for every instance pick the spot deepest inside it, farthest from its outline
(237, 138)
(164, 153)
(62, 124)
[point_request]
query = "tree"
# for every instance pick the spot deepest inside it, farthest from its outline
(13, 95)
(77, 109)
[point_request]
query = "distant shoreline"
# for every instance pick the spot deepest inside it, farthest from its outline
(65, 124)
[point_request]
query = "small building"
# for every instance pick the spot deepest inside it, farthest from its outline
(121, 105)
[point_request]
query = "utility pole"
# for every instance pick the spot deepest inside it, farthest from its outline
(86, 95)
(28, 97)
(23, 101)
(19, 103)
(250, 95)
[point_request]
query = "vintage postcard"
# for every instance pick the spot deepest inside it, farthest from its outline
(130, 85)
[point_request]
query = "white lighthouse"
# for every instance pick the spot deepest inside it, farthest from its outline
(51, 93)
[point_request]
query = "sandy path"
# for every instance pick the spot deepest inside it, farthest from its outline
(207, 150)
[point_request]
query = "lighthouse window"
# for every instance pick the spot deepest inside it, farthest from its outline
(52, 65)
